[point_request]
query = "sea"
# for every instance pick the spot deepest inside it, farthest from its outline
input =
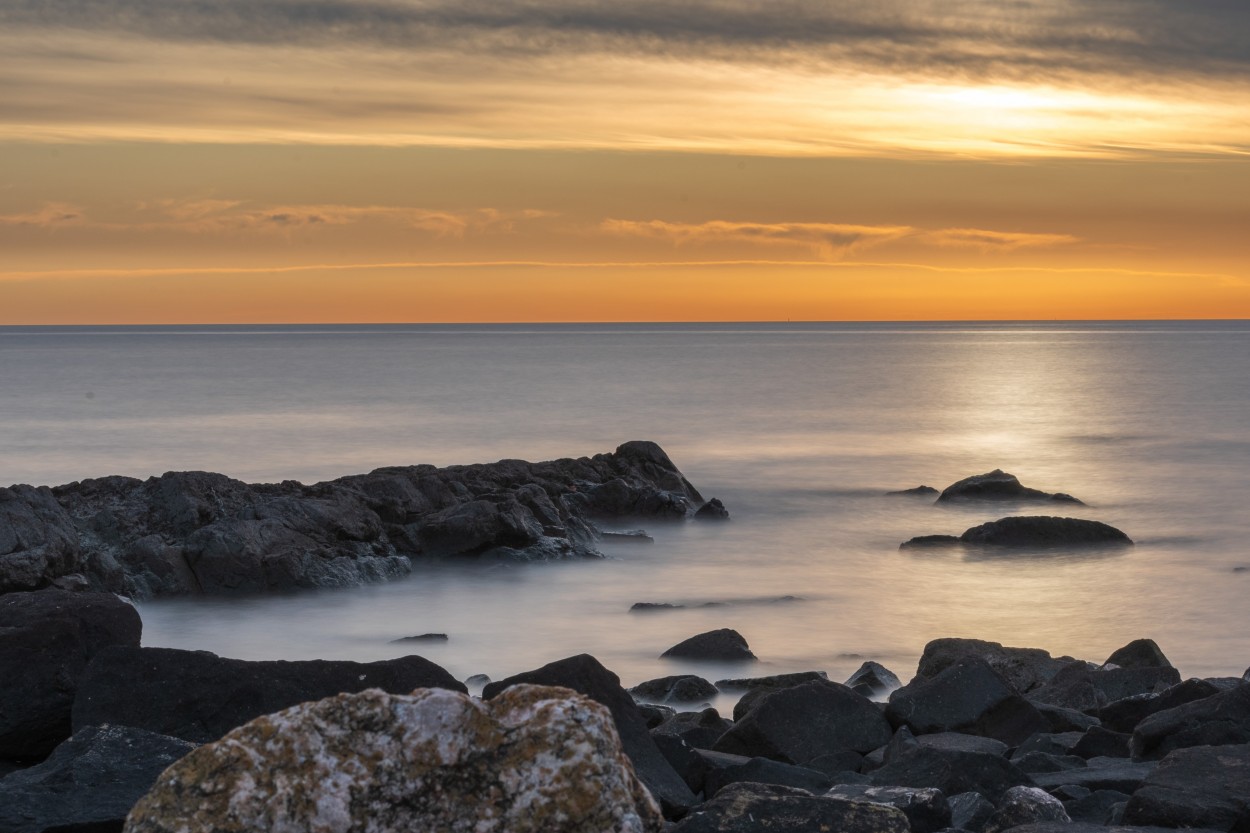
(800, 428)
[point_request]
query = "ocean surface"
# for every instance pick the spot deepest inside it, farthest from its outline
(798, 428)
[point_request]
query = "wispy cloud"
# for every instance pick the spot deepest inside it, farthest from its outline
(995, 241)
(50, 215)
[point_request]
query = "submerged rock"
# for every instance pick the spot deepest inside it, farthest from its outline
(998, 485)
(424, 637)
(1039, 531)
(724, 644)
(682, 688)
(916, 491)
(713, 510)
(873, 680)
(533, 759)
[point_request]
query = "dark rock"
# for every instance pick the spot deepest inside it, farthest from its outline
(683, 688)
(903, 743)
(970, 811)
(724, 644)
(775, 681)
(584, 673)
(654, 714)
(1080, 827)
(47, 638)
(682, 757)
(761, 808)
(1025, 805)
(1035, 763)
(837, 764)
(1050, 744)
(1219, 720)
(717, 770)
(655, 607)
(651, 607)
(713, 510)
(632, 536)
(873, 681)
(90, 781)
(963, 743)
(927, 810)
(915, 491)
(1096, 807)
(953, 772)
(1044, 532)
(1102, 743)
(997, 485)
(930, 542)
(795, 725)
(1099, 774)
(1059, 719)
(38, 540)
(1197, 787)
(198, 696)
(1140, 653)
(699, 729)
(1070, 792)
(1088, 688)
(425, 637)
(1024, 669)
(968, 697)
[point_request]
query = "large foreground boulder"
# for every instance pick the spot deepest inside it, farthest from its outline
(998, 485)
(90, 782)
(1031, 532)
(763, 808)
(1088, 688)
(47, 638)
(1204, 786)
(584, 674)
(198, 696)
(967, 697)
(533, 760)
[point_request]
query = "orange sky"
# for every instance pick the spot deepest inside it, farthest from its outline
(571, 160)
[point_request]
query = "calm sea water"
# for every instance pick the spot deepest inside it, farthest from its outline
(798, 428)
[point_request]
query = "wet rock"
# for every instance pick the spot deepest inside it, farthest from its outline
(927, 810)
(930, 541)
(970, 811)
(1024, 669)
(1088, 688)
(762, 808)
(997, 485)
(533, 759)
(968, 697)
(1140, 653)
(795, 725)
(724, 645)
(1099, 774)
(953, 772)
(425, 637)
(652, 607)
(700, 729)
(713, 771)
(1025, 805)
(1102, 743)
(1220, 720)
(1196, 787)
(683, 688)
(583, 673)
(1044, 531)
(655, 714)
(1097, 807)
(198, 696)
(632, 536)
(873, 681)
(47, 639)
(915, 491)
(91, 780)
(713, 510)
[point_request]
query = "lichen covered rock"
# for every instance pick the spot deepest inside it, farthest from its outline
(535, 758)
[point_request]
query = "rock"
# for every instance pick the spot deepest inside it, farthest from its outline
(1099, 774)
(699, 729)
(930, 541)
(94, 778)
(198, 696)
(1140, 653)
(873, 681)
(684, 688)
(476, 680)
(654, 714)
(1102, 743)
(1025, 805)
(724, 644)
(655, 607)
(1219, 720)
(837, 765)
(713, 771)
(1036, 763)
(1095, 808)
(970, 811)
(425, 637)
(652, 607)
(1078, 827)
(968, 697)
(795, 725)
(1060, 719)
(713, 510)
(681, 757)
(1024, 669)
(47, 638)
(997, 485)
(960, 742)
(38, 540)
(1044, 531)
(761, 808)
(953, 772)
(775, 681)
(927, 810)
(584, 674)
(632, 536)
(915, 491)
(1206, 786)
(534, 758)
(1050, 744)
(1088, 688)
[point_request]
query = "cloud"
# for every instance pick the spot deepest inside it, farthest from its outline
(50, 215)
(994, 241)
(826, 239)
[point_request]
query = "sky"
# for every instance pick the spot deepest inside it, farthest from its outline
(284, 161)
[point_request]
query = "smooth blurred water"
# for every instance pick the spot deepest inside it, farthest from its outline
(798, 428)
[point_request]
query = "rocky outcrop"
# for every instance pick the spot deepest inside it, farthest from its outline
(998, 485)
(198, 696)
(1032, 532)
(532, 759)
(198, 532)
(725, 644)
(47, 639)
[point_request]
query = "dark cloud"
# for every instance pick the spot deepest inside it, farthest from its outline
(1023, 38)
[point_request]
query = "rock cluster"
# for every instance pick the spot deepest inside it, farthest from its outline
(198, 532)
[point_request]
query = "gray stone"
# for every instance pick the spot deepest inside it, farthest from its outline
(1140, 653)
(1095, 808)
(1100, 742)
(927, 810)
(1088, 688)
(1206, 786)
(873, 680)
(713, 771)
(970, 811)
(1025, 805)
(1036, 763)
(1099, 774)
(1219, 720)
(952, 772)
(1024, 669)
(699, 729)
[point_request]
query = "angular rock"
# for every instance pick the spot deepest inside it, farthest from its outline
(683, 688)
(1102, 743)
(873, 680)
(1099, 774)
(1080, 827)
(38, 540)
(533, 759)
(198, 696)
(774, 681)
(967, 697)
(1036, 763)
(653, 714)
(1045, 532)
(1024, 669)
(1097, 807)
(1205, 786)
(1025, 805)
(1220, 720)
(713, 771)
(927, 810)
(838, 764)
(763, 808)
(699, 729)
(970, 811)
(1051, 744)
(795, 725)
(953, 772)
(963, 743)
(713, 510)
(47, 638)
(90, 780)
(584, 674)
(997, 485)
(1060, 719)
(1140, 653)
(681, 757)
(724, 645)
(1089, 688)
